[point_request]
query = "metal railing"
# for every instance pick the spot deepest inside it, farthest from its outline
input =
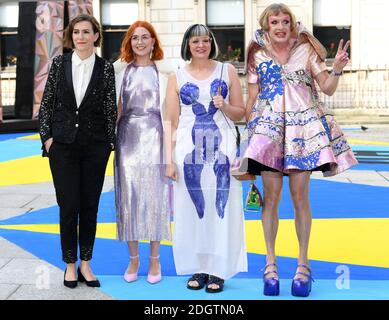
(359, 88)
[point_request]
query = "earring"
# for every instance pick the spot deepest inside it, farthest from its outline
(151, 52)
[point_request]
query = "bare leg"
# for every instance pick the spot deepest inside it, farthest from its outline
(71, 272)
(299, 189)
(86, 270)
(272, 185)
(134, 262)
(155, 267)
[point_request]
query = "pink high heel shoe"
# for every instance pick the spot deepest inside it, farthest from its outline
(131, 277)
(154, 278)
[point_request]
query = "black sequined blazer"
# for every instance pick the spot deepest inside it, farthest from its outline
(95, 119)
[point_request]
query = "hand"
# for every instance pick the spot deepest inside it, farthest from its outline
(48, 144)
(218, 101)
(341, 58)
(171, 171)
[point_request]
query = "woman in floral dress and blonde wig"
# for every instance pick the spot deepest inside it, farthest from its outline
(290, 131)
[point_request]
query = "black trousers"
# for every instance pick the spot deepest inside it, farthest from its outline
(78, 175)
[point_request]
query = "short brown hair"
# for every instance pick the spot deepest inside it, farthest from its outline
(68, 40)
(274, 10)
(126, 52)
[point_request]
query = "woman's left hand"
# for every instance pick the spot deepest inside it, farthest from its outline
(341, 58)
(218, 101)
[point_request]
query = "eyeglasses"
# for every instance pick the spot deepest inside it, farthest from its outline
(143, 38)
(197, 41)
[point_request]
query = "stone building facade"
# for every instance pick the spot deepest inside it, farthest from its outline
(363, 88)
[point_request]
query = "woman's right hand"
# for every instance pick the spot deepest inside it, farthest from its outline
(341, 58)
(48, 144)
(171, 171)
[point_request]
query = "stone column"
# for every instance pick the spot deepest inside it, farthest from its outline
(171, 18)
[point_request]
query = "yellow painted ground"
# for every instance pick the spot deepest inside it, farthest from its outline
(31, 137)
(366, 142)
(352, 241)
(36, 169)
(33, 169)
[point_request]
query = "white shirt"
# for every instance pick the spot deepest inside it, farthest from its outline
(82, 73)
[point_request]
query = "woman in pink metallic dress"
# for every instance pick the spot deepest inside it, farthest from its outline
(290, 131)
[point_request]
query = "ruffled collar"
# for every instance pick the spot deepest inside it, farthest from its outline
(302, 34)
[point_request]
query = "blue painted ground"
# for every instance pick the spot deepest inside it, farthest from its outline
(10, 136)
(22, 149)
(27, 148)
(242, 289)
(111, 258)
(329, 200)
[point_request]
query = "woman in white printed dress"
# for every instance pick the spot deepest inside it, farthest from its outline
(202, 101)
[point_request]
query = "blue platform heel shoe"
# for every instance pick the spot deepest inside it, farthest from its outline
(271, 285)
(302, 287)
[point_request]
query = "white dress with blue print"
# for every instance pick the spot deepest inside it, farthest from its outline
(208, 214)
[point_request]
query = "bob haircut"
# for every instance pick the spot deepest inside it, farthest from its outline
(68, 40)
(197, 30)
(126, 52)
(274, 10)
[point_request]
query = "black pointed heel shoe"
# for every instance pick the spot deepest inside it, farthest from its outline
(92, 283)
(69, 284)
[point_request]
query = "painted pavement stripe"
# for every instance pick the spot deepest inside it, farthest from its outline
(47, 247)
(334, 240)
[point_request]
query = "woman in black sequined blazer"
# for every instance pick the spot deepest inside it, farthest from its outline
(77, 120)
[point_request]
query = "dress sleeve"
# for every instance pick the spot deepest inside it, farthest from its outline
(48, 99)
(110, 108)
(316, 64)
(252, 76)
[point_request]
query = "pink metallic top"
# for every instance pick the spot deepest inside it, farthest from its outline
(289, 128)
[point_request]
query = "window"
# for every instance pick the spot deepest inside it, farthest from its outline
(8, 45)
(9, 16)
(329, 25)
(330, 37)
(112, 40)
(117, 16)
(228, 28)
(9, 19)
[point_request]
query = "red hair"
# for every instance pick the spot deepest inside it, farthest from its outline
(251, 51)
(126, 52)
